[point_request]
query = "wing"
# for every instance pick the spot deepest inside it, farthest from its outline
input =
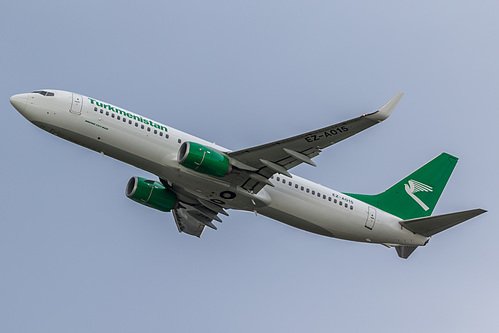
(257, 164)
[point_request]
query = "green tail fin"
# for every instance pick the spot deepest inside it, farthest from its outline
(417, 194)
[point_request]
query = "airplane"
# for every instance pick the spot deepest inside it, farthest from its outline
(198, 180)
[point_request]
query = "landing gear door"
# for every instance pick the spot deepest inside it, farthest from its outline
(76, 104)
(371, 217)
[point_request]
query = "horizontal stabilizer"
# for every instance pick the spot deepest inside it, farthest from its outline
(431, 225)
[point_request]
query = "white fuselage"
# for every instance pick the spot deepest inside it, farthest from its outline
(153, 147)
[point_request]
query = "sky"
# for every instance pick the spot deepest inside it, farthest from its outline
(76, 255)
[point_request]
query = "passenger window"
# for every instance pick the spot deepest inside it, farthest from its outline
(278, 179)
(308, 190)
(290, 183)
(130, 121)
(101, 111)
(160, 133)
(148, 129)
(351, 207)
(167, 135)
(95, 109)
(341, 203)
(284, 181)
(107, 113)
(335, 201)
(329, 198)
(313, 192)
(318, 194)
(118, 117)
(302, 188)
(124, 119)
(136, 124)
(142, 126)
(179, 141)
(296, 185)
(112, 115)
(324, 196)
(155, 131)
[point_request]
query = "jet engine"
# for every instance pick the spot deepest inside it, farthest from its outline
(202, 159)
(151, 193)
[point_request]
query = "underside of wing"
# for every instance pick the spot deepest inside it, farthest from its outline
(257, 164)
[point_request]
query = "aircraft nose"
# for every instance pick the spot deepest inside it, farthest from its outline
(19, 101)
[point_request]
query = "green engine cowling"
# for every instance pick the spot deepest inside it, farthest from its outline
(151, 193)
(203, 159)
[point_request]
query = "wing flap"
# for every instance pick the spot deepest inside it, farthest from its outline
(431, 225)
(186, 223)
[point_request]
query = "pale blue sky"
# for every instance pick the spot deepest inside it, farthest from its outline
(77, 256)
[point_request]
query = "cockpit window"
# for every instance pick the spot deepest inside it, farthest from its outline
(43, 92)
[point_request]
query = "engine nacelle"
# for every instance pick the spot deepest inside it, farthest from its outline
(151, 193)
(203, 159)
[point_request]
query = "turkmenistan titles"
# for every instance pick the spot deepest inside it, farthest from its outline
(127, 114)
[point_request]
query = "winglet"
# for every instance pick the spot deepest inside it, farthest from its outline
(386, 110)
